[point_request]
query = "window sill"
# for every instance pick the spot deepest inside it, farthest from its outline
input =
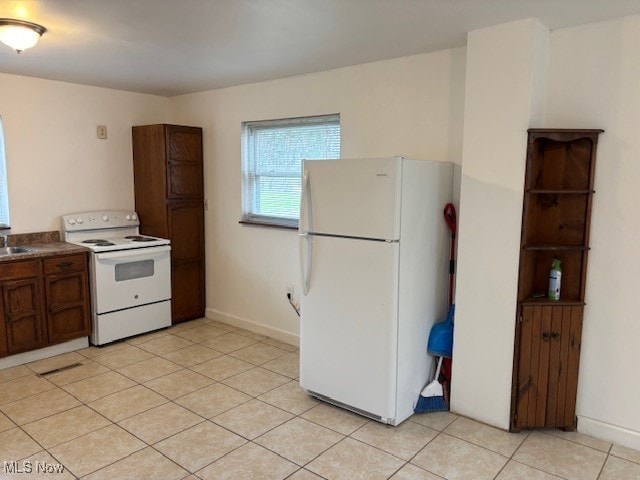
(255, 223)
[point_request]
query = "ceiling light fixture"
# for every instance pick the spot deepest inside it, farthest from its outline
(19, 34)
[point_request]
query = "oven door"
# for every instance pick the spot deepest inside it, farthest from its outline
(129, 278)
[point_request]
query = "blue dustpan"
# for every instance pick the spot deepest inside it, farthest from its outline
(440, 342)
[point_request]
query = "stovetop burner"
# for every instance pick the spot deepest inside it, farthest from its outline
(139, 238)
(99, 242)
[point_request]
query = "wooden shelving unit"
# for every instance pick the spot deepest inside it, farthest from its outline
(555, 225)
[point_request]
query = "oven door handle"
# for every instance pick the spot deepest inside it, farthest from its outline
(135, 252)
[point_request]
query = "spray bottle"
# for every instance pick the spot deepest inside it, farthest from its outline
(555, 276)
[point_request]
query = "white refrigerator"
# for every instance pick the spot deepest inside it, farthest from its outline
(374, 263)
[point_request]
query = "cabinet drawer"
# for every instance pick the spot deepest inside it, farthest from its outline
(18, 270)
(70, 263)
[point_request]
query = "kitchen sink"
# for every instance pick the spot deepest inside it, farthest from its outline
(14, 250)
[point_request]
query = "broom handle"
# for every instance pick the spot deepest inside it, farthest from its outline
(450, 218)
(438, 368)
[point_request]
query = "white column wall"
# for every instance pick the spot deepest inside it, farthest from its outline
(504, 95)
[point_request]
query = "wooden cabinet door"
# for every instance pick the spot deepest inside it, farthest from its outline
(184, 163)
(67, 306)
(547, 364)
(186, 226)
(4, 350)
(187, 293)
(23, 320)
(186, 230)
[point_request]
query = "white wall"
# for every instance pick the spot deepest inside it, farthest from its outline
(503, 97)
(55, 163)
(410, 106)
(594, 82)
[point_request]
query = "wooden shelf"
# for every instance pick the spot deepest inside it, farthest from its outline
(576, 248)
(549, 132)
(560, 191)
(544, 301)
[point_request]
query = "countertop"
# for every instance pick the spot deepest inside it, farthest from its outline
(42, 244)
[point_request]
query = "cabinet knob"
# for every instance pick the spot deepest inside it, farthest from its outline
(556, 335)
(546, 336)
(65, 265)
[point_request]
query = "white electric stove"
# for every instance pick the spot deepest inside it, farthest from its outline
(130, 273)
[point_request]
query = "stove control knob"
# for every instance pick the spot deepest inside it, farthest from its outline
(79, 220)
(105, 218)
(72, 221)
(134, 216)
(128, 217)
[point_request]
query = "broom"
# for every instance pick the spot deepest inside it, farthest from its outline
(431, 397)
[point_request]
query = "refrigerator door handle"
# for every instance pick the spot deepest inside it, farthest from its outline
(306, 212)
(305, 260)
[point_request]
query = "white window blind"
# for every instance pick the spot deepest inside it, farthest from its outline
(4, 193)
(273, 151)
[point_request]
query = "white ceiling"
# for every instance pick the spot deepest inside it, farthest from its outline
(171, 47)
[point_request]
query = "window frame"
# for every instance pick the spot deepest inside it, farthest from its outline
(4, 187)
(249, 175)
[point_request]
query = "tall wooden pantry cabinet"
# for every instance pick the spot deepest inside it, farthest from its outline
(169, 195)
(556, 216)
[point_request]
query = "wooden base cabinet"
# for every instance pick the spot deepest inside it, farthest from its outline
(555, 225)
(43, 302)
(21, 302)
(169, 193)
(67, 295)
(549, 354)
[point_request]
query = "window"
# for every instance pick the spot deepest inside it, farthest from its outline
(4, 193)
(273, 151)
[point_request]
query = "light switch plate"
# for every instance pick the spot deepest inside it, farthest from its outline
(102, 131)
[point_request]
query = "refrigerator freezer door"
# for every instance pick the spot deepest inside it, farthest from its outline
(352, 197)
(348, 332)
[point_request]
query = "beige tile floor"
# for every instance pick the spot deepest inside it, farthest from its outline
(204, 400)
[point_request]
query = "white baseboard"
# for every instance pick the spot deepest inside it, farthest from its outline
(33, 355)
(612, 433)
(286, 337)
